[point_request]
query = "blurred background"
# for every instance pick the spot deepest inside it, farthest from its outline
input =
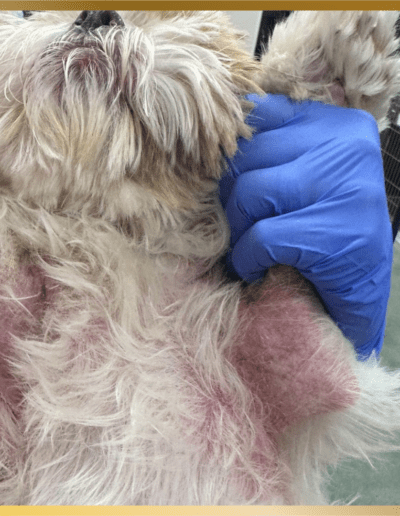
(377, 483)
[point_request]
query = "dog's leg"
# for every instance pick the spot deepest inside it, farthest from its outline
(297, 363)
(342, 57)
(320, 403)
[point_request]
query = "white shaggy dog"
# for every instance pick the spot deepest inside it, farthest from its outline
(131, 371)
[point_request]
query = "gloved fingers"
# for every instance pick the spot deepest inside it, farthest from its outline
(271, 111)
(267, 243)
(273, 119)
(225, 186)
(264, 193)
(257, 195)
(271, 148)
(286, 136)
(346, 190)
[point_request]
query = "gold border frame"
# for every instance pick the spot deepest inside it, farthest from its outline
(238, 5)
(199, 511)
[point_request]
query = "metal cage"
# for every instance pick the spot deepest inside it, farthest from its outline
(390, 144)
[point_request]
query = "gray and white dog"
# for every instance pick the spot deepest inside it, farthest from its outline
(131, 370)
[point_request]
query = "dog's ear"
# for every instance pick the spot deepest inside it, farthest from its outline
(343, 57)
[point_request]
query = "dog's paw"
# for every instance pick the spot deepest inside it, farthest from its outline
(343, 57)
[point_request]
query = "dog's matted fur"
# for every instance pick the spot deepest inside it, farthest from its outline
(132, 371)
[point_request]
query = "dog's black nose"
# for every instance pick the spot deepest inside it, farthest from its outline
(90, 20)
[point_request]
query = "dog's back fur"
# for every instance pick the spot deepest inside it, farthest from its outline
(132, 371)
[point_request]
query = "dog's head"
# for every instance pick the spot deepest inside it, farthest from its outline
(98, 109)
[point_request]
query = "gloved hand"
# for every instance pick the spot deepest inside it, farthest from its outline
(308, 191)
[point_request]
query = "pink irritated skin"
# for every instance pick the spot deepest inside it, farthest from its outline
(336, 89)
(18, 318)
(278, 356)
(283, 363)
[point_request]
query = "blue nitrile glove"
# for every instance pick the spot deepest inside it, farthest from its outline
(308, 191)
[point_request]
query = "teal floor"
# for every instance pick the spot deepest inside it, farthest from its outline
(379, 485)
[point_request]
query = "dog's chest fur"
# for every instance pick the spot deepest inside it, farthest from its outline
(200, 376)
